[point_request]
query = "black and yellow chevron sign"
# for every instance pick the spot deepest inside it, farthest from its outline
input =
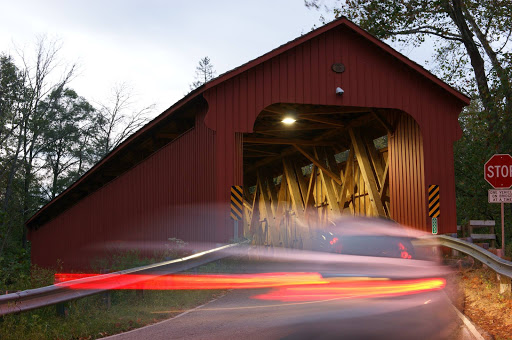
(433, 200)
(236, 202)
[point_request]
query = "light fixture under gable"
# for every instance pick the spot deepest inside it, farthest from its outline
(289, 120)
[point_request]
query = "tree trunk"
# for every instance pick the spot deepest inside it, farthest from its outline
(477, 62)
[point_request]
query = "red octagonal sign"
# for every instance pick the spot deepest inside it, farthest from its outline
(498, 171)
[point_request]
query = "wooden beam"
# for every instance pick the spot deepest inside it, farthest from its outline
(255, 219)
(293, 187)
(261, 151)
(384, 188)
(328, 121)
(366, 171)
(167, 135)
(306, 127)
(255, 140)
(281, 198)
(274, 233)
(375, 160)
(383, 121)
(287, 152)
(385, 180)
(302, 181)
(328, 154)
(310, 197)
(329, 191)
(348, 178)
(319, 164)
(271, 192)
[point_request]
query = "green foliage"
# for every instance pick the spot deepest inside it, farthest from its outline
(49, 137)
(89, 318)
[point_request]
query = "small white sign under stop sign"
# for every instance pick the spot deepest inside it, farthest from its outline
(500, 196)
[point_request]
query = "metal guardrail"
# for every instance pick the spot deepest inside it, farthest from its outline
(499, 265)
(51, 295)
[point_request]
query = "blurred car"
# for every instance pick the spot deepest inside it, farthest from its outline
(380, 281)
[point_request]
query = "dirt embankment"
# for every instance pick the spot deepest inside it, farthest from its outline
(474, 290)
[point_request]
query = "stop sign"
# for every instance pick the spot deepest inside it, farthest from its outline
(498, 171)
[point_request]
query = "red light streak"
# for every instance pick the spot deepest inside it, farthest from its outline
(288, 287)
(353, 289)
(187, 281)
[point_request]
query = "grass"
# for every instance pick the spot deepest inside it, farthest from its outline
(89, 318)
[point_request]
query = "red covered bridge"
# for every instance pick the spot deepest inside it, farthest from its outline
(372, 150)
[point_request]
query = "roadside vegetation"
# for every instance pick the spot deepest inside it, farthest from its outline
(92, 318)
(482, 303)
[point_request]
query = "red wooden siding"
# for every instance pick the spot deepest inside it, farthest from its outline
(407, 174)
(183, 190)
(168, 195)
(372, 78)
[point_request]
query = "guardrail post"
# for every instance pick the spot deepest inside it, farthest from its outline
(107, 299)
(505, 285)
(62, 309)
(107, 296)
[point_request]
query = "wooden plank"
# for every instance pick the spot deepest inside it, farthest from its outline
(366, 171)
(321, 166)
(271, 189)
(347, 180)
(281, 199)
(310, 197)
(384, 188)
(375, 160)
(483, 236)
(293, 187)
(302, 182)
(328, 154)
(329, 191)
(481, 223)
(255, 228)
(255, 140)
(383, 121)
(267, 210)
(324, 120)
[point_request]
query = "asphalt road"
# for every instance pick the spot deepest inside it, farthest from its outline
(237, 316)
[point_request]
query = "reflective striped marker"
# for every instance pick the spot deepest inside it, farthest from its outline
(433, 200)
(236, 202)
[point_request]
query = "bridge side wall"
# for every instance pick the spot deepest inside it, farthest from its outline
(171, 194)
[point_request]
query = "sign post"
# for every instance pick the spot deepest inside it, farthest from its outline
(498, 173)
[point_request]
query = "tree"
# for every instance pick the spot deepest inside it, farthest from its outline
(11, 101)
(67, 113)
(119, 118)
(23, 122)
(204, 73)
(39, 84)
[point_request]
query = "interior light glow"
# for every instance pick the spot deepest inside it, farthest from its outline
(289, 120)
